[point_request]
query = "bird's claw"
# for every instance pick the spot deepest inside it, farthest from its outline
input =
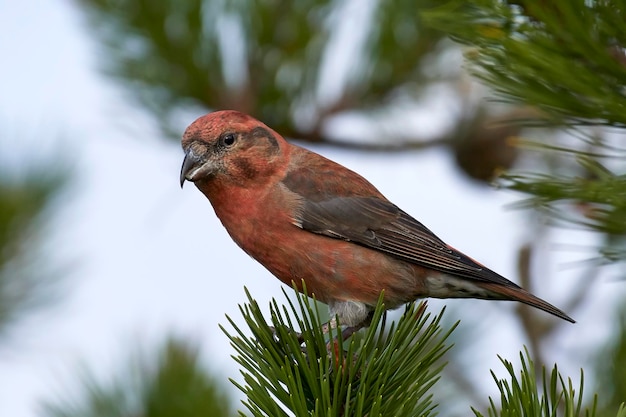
(298, 335)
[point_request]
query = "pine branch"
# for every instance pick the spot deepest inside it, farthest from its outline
(272, 60)
(566, 57)
(521, 396)
(384, 373)
(594, 200)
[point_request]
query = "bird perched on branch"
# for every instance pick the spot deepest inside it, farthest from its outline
(308, 219)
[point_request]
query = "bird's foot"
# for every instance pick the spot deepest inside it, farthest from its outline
(298, 335)
(346, 332)
(331, 324)
(332, 344)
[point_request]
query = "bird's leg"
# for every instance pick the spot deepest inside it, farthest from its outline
(298, 335)
(326, 328)
(349, 331)
(332, 347)
(333, 344)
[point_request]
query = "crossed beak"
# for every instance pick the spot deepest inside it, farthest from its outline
(191, 166)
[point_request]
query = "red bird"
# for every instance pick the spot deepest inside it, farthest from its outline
(307, 218)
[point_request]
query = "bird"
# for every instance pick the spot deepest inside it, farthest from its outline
(316, 224)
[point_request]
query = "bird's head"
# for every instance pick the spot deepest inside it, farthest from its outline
(231, 147)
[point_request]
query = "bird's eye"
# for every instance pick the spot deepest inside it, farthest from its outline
(228, 139)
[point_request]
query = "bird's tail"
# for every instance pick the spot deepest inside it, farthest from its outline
(523, 296)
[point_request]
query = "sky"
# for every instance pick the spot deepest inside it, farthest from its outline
(145, 258)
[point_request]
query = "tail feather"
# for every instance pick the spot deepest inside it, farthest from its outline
(450, 286)
(523, 296)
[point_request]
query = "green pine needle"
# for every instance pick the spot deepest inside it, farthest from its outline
(386, 372)
(563, 56)
(521, 395)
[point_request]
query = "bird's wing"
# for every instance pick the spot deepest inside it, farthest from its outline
(378, 224)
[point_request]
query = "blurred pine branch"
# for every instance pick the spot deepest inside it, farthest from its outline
(565, 56)
(171, 383)
(280, 62)
(28, 280)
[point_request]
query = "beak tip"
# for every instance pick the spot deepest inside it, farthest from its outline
(189, 162)
(183, 178)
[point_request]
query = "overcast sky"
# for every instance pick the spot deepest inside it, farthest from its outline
(146, 258)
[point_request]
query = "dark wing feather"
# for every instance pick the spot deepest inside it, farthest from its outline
(378, 224)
